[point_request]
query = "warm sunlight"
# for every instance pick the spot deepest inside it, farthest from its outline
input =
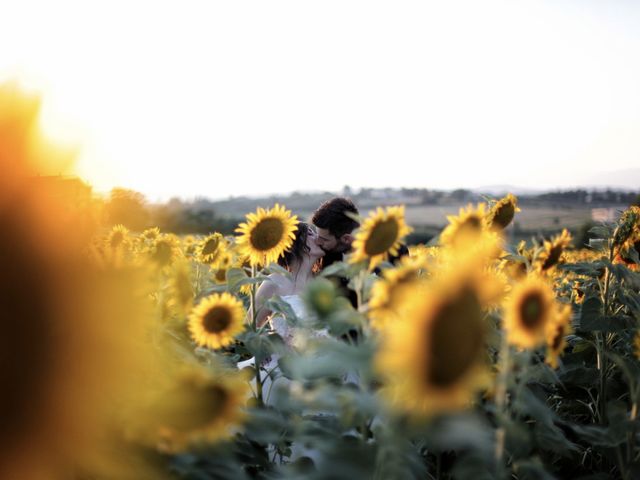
(342, 239)
(324, 92)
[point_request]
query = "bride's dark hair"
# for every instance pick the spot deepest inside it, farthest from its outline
(297, 251)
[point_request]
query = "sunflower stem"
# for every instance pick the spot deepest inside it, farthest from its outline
(197, 289)
(254, 317)
(602, 363)
(501, 405)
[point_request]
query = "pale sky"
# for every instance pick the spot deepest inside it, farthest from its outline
(219, 98)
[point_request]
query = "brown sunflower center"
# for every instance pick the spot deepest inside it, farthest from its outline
(455, 340)
(532, 311)
(192, 406)
(217, 319)
(221, 275)
(469, 228)
(117, 239)
(211, 246)
(553, 257)
(267, 234)
(382, 237)
(503, 214)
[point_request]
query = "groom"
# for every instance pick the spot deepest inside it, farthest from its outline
(335, 235)
(335, 225)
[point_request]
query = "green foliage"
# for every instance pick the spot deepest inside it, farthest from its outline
(576, 421)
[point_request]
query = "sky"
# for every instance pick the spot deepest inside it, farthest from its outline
(219, 98)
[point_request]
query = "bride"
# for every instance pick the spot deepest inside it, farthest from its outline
(301, 260)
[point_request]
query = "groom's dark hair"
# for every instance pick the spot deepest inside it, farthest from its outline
(333, 215)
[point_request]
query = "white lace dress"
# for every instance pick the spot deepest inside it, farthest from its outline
(273, 382)
(272, 379)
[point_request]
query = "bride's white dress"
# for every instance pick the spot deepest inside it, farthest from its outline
(273, 382)
(272, 379)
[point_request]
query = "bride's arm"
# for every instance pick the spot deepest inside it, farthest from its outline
(266, 290)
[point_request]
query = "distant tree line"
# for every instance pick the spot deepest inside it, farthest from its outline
(131, 209)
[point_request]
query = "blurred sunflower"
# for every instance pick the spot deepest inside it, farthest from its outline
(636, 345)
(62, 318)
(181, 286)
(193, 408)
(553, 249)
(151, 233)
(528, 312)
(514, 269)
(556, 334)
(629, 252)
(220, 274)
(380, 236)
(266, 235)
(502, 212)
(212, 249)
(433, 360)
(189, 246)
(387, 292)
(465, 228)
(577, 291)
(628, 224)
(165, 250)
(216, 320)
(118, 237)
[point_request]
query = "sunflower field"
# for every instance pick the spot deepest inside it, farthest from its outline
(137, 355)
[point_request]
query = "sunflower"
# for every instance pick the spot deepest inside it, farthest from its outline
(628, 250)
(502, 212)
(151, 233)
(220, 274)
(556, 334)
(553, 249)
(321, 297)
(181, 285)
(189, 246)
(628, 224)
(212, 249)
(118, 237)
(217, 320)
(432, 360)
(165, 250)
(577, 292)
(195, 407)
(266, 234)
(465, 228)
(62, 317)
(388, 291)
(528, 312)
(380, 236)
